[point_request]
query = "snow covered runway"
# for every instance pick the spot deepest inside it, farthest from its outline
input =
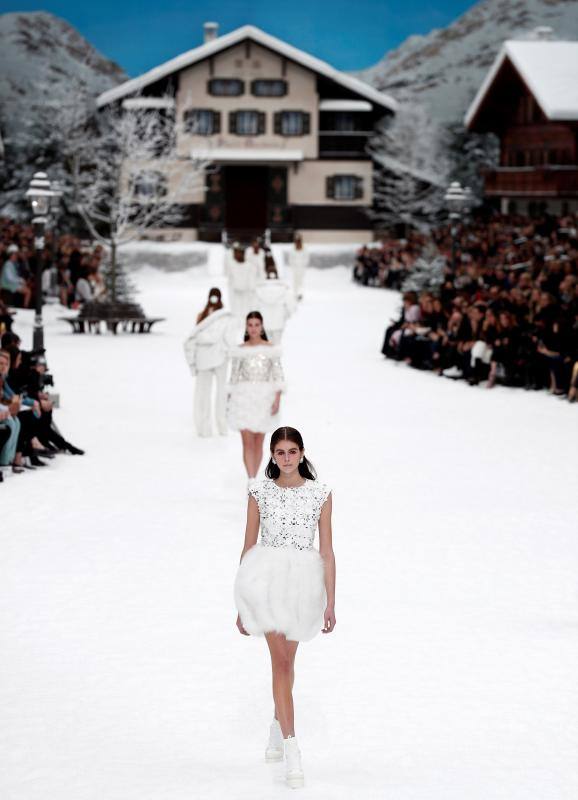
(451, 672)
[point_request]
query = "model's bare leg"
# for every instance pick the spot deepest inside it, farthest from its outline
(258, 439)
(283, 669)
(247, 440)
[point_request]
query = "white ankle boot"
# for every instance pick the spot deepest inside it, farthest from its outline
(294, 773)
(274, 751)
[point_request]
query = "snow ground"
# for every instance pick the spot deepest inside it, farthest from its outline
(452, 671)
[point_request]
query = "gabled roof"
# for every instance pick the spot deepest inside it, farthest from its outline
(549, 70)
(260, 37)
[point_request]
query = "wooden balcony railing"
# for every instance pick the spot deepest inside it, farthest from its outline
(545, 181)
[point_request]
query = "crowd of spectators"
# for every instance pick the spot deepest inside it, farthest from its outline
(71, 267)
(29, 437)
(505, 308)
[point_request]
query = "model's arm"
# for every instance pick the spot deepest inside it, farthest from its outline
(251, 533)
(252, 528)
(326, 551)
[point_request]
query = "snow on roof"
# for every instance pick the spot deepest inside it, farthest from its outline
(345, 105)
(228, 40)
(247, 154)
(550, 71)
(148, 102)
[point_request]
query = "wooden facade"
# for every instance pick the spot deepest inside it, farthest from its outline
(538, 167)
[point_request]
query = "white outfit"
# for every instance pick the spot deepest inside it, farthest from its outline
(242, 276)
(206, 351)
(258, 259)
(298, 263)
(280, 583)
(274, 299)
(256, 377)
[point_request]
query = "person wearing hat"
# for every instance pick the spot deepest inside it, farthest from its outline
(11, 281)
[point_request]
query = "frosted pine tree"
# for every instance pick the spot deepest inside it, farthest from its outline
(426, 275)
(411, 178)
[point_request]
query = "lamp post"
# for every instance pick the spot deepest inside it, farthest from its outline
(455, 198)
(39, 194)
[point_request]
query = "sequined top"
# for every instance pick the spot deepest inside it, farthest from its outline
(289, 516)
(257, 364)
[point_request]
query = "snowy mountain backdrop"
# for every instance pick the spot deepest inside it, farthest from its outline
(44, 64)
(444, 69)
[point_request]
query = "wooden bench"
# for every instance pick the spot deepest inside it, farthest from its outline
(93, 324)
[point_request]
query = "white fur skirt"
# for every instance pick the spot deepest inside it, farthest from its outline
(281, 590)
(249, 407)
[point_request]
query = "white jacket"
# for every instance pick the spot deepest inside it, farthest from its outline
(258, 259)
(242, 275)
(274, 299)
(298, 259)
(208, 345)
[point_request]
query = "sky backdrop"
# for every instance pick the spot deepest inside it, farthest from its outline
(349, 34)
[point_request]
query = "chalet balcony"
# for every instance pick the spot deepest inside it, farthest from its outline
(344, 144)
(543, 181)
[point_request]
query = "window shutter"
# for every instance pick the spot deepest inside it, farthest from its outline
(216, 122)
(261, 122)
(278, 122)
(306, 123)
(358, 192)
(232, 122)
(330, 186)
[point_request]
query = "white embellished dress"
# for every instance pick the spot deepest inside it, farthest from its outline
(256, 377)
(280, 583)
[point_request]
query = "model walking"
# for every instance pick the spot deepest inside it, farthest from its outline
(255, 388)
(242, 277)
(206, 351)
(285, 588)
(298, 263)
(274, 299)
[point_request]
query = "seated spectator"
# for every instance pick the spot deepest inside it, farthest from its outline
(12, 282)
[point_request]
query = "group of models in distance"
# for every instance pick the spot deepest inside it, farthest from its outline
(285, 587)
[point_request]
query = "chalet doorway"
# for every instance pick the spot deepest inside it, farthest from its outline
(246, 191)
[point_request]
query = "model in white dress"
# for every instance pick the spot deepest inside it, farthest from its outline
(274, 299)
(298, 263)
(285, 587)
(255, 388)
(256, 255)
(242, 277)
(280, 583)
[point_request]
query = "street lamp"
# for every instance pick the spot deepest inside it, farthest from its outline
(456, 198)
(39, 193)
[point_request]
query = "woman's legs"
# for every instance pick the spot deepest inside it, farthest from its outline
(283, 670)
(252, 451)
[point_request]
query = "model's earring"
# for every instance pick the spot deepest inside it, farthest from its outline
(273, 460)
(302, 459)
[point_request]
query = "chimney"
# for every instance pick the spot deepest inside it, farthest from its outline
(210, 31)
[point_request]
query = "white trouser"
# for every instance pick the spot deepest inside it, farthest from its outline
(203, 398)
(298, 278)
(482, 351)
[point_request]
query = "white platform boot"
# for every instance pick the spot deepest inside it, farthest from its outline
(294, 775)
(274, 751)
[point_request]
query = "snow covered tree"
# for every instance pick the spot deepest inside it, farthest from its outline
(470, 154)
(426, 275)
(127, 178)
(410, 179)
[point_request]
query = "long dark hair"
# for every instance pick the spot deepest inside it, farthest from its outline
(259, 316)
(306, 469)
(210, 307)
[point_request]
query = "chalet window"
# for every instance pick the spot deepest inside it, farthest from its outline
(344, 187)
(149, 184)
(226, 87)
(269, 88)
(343, 121)
(247, 123)
(202, 121)
(292, 123)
